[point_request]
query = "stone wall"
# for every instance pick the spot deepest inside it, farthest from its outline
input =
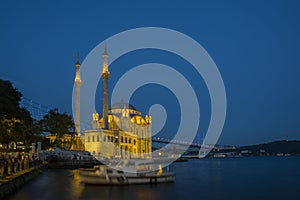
(9, 187)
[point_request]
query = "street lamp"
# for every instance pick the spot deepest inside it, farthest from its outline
(159, 154)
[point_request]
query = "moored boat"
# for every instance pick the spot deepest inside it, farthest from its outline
(106, 175)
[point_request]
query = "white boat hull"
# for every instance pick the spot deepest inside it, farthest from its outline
(115, 179)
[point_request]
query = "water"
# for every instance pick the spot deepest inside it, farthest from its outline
(218, 178)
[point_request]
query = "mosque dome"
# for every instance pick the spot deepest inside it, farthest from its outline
(118, 108)
(122, 105)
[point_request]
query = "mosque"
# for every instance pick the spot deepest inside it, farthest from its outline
(121, 132)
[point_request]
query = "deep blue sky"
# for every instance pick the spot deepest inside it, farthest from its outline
(255, 45)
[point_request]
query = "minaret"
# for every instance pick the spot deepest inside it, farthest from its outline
(77, 103)
(105, 75)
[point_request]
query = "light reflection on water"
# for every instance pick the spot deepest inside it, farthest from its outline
(76, 186)
(227, 178)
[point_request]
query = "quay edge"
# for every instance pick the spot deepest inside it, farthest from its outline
(9, 187)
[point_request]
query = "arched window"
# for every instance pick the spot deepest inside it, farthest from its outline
(129, 141)
(133, 142)
(88, 138)
(93, 139)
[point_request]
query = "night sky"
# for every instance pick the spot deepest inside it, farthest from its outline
(255, 45)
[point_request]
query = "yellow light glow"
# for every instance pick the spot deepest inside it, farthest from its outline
(138, 120)
(160, 170)
(110, 118)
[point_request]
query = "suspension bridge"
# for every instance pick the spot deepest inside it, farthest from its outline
(36, 109)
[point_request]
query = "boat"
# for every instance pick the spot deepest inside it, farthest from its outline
(127, 173)
(68, 159)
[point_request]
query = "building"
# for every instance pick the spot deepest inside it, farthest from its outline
(68, 141)
(122, 131)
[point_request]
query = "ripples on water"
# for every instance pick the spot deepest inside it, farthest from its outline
(222, 178)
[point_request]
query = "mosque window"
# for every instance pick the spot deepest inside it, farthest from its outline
(98, 138)
(93, 139)
(133, 142)
(125, 139)
(122, 139)
(88, 138)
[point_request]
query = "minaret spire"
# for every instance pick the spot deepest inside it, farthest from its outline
(77, 83)
(105, 75)
(78, 59)
(105, 49)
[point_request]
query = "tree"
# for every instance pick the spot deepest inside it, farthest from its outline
(4, 133)
(16, 123)
(9, 112)
(59, 125)
(10, 99)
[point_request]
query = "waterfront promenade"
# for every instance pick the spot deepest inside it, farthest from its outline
(14, 162)
(16, 169)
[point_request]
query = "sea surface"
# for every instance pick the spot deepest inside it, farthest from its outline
(209, 178)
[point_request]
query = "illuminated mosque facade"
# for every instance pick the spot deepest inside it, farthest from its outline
(121, 132)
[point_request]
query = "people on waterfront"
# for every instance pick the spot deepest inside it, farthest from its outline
(11, 162)
(4, 166)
